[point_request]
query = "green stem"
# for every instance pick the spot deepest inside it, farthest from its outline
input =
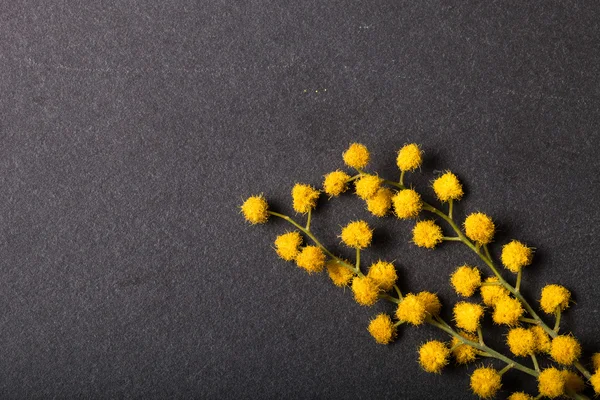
(398, 292)
(493, 353)
(529, 320)
(480, 335)
(358, 259)
(452, 239)
(450, 206)
(308, 220)
(389, 298)
(491, 284)
(398, 185)
(402, 178)
(505, 369)
(314, 239)
(353, 178)
(535, 362)
(487, 252)
(518, 284)
(557, 323)
(582, 369)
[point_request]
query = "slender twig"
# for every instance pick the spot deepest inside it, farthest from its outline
(557, 323)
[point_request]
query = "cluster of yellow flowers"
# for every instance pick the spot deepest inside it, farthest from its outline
(527, 335)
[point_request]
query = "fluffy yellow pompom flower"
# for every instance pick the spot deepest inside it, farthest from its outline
(490, 294)
(447, 187)
(382, 329)
(520, 396)
(304, 197)
(409, 157)
(515, 255)
(357, 156)
(433, 356)
(412, 310)
(255, 209)
(365, 291)
(595, 381)
(553, 297)
(465, 280)
(427, 234)
(463, 353)
(573, 381)
(479, 228)
(521, 341)
(383, 274)
(468, 315)
(596, 361)
(542, 340)
(565, 349)
(551, 383)
(380, 203)
(485, 382)
(287, 245)
(311, 258)
(431, 301)
(335, 183)
(357, 234)
(507, 311)
(367, 185)
(407, 204)
(340, 275)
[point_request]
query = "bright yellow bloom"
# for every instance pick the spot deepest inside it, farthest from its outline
(339, 274)
(365, 291)
(409, 157)
(551, 383)
(463, 353)
(595, 381)
(479, 228)
(492, 293)
(573, 381)
(553, 297)
(287, 245)
(427, 234)
(367, 185)
(357, 234)
(382, 329)
(542, 340)
(407, 204)
(515, 255)
(521, 341)
(304, 197)
(507, 311)
(433, 356)
(465, 280)
(468, 315)
(485, 382)
(255, 209)
(565, 349)
(412, 310)
(357, 156)
(311, 258)
(380, 203)
(335, 183)
(596, 361)
(431, 301)
(520, 396)
(447, 187)
(383, 274)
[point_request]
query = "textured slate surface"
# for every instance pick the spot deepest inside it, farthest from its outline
(131, 131)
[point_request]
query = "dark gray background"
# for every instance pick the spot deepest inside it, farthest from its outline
(131, 132)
